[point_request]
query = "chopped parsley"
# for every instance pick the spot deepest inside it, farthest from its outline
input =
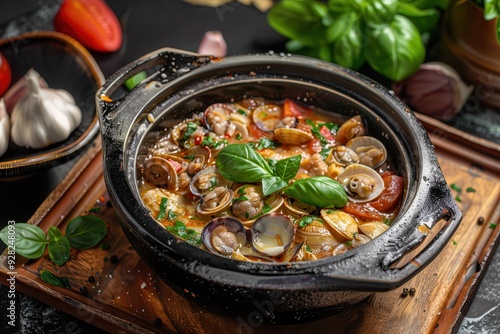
(458, 199)
(240, 198)
(455, 187)
(171, 215)
(492, 225)
(95, 209)
(263, 143)
(241, 112)
(211, 142)
(179, 229)
(191, 128)
(306, 220)
(470, 190)
(265, 209)
(163, 208)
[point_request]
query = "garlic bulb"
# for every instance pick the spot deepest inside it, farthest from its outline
(213, 43)
(44, 116)
(4, 128)
(17, 91)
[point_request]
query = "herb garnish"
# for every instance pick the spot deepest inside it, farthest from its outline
(241, 163)
(191, 128)
(179, 229)
(470, 190)
(163, 208)
(49, 277)
(263, 143)
(82, 232)
(455, 187)
(492, 225)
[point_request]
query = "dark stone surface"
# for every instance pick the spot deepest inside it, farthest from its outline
(150, 25)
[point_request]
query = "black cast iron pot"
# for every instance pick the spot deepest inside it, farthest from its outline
(180, 83)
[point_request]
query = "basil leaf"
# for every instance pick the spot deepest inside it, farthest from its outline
(133, 81)
(180, 229)
(379, 12)
(301, 20)
(271, 184)
(163, 208)
(348, 49)
(491, 9)
(426, 20)
(84, 232)
(240, 163)
(396, 50)
(287, 168)
(29, 240)
(320, 191)
(49, 277)
(59, 248)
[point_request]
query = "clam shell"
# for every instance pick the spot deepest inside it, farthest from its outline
(272, 234)
(224, 235)
(370, 151)
(373, 229)
(362, 183)
(292, 136)
(342, 225)
(160, 172)
(267, 116)
(353, 127)
(215, 201)
(206, 179)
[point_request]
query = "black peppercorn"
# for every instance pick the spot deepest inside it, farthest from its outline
(84, 290)
(113, 259)
(412, 292)
(405, 292)
(91, 279)
(480, 220)
(157, 322)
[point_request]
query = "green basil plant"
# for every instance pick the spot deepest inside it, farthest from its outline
(388, 35)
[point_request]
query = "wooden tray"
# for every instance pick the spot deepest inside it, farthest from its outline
(127, 297)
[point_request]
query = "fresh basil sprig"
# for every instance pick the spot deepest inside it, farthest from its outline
(350, 33)
(30, 241)
(241, 163)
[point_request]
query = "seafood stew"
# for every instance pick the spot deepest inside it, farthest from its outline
(271, 181)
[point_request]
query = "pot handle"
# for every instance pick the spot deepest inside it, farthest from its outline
(433, 232)
(162, 66)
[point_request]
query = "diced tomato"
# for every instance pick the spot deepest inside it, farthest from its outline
(177, 166)
(314, 146)
(393, 189)
(258, 133)
(293, 109)
(363, 211)
(91, 22)
(5, 74)
(198, 140)
(325, 132)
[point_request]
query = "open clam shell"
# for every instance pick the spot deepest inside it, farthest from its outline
(207, 179)
(369, 150)
(272, 234)
(215, 201)
(342, 225)
(160, 172)
(353, 127)
(224, 235)
(362, 183)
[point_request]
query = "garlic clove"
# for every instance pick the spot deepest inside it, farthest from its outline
(436, 90)
(213, 43)
(4, 128)
(17, 91)
(44, 116)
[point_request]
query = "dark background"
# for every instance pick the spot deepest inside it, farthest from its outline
(147, 26)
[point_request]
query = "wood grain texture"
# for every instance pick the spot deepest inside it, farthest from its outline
(128, 297)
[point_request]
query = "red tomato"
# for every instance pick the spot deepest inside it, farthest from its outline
(91, 22)
(177, 166)
(363, 211)
(314, 146)
(258, 133)
(5, 74)
(293, 109)
(325, 132)
(393, 189)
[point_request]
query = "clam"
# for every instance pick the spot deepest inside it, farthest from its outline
(206, 179)
(272, 234)
(198, 156)
(216, 118)
(341, 248)
(248, 203)
(342, 225)
(292, 136)
(316, 235)
(362, 183)
(359, 240)
(267, 116)
(353, 127)
(370, 151)
(224, 235)
(215, 201)
(188, 128)
(160, 172)
(342, 155)
(297, 207)
(373, 229)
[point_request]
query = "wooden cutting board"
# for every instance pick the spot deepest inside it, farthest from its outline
(113, 289)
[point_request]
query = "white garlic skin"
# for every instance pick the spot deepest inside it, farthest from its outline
(4, 128)
(44, 116)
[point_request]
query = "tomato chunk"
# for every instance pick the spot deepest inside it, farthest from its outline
(393, 189)
(90, 22)
(293, 109)
(258, 133)
(325, 132)
(363, 211)
(5, 74)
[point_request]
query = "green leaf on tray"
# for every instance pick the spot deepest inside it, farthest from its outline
(29, 240)
(84, 232)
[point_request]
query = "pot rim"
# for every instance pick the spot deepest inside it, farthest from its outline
(373, 272)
